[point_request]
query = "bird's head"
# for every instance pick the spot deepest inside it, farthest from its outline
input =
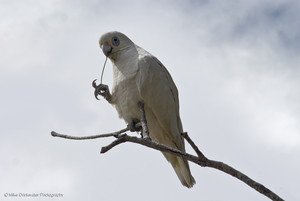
(113, 42)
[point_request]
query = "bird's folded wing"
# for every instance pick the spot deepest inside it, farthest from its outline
(159, 93)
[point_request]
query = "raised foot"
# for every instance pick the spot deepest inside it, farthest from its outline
(101, 90)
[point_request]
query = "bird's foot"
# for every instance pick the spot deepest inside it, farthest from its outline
(135, 125)
(101, 90)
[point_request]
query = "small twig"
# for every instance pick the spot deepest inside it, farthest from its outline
(145, 132)
(113, 144)
(193, 145)
(114, 134)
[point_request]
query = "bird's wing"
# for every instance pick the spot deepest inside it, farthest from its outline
(160, 95)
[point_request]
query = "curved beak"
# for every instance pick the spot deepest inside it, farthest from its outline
(106, 49)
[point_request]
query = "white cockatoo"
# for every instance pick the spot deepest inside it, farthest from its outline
(141, 77)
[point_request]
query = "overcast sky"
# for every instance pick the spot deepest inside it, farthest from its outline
(236, 66)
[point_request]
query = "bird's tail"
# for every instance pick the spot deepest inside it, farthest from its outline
(182, 169)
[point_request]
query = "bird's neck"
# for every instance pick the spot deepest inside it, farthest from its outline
(126, 64)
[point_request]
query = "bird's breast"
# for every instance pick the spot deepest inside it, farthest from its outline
(125, 98)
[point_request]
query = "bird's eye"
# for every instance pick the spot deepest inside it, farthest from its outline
(115, 41)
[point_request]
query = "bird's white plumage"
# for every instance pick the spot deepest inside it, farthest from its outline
(139, 76)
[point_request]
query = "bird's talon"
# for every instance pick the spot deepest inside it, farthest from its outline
(134, 125)
(96, 95)
(94, 83)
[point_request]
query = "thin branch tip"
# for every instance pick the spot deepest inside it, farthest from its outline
(54, 134)
(114, 134)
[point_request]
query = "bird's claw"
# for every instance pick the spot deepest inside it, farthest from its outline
(135, 125)
(94, 83)
(101, 89)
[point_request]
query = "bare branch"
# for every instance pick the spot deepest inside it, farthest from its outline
(114, 134)
(120, 140)
(244, 178)
(233, 172)
(200, 160)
